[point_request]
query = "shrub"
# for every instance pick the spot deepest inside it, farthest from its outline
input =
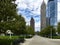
(5, 40)
(56, 37)
(28, 36)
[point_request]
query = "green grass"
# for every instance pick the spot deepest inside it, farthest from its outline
(56, 37)
(8, 37)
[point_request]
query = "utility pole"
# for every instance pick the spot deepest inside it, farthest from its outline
(51, 33)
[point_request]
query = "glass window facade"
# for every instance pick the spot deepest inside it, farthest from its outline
(52, 12)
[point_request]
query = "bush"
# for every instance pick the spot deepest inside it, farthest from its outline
(28, 36)
(5, 40)
(56, 37)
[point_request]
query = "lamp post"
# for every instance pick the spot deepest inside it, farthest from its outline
(9, 32)
(51, 33)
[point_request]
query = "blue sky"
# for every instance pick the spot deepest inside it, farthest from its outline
(31, 8)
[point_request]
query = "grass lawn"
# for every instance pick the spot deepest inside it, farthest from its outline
(8, 37)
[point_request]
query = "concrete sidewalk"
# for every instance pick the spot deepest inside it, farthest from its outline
(37, 40)
(27, 41)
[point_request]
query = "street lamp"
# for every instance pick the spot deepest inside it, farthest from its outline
(51, 33)
(9, 32)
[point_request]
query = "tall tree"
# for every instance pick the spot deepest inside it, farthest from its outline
(20, 26)
(7, 13)
(30, 30)
(7, 10)
(48, 31)
(9, 19)
(58, 28)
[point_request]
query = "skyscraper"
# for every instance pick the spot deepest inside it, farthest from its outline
(32, 23)
(43, 15)
(52, 12)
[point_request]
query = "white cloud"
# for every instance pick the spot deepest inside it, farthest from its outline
(58, 11)
(37, 26)
(32, 8)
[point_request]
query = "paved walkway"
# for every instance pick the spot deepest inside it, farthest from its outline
(37, 40)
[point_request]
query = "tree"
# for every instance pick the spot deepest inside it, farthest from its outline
(37, 32)
(30, 30)
(20, 26)
(7, 10)
(9, 19)
(7, 13)
(58, 28)
(47, 31)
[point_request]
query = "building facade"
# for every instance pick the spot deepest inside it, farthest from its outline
(32, 23)
(43, 15)
(51, 13)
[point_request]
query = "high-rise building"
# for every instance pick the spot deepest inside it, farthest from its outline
(43, 15)
(32, 23)
(52, 12)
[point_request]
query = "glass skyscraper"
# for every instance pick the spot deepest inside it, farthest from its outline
(52, 12)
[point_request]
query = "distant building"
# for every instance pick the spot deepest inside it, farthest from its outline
(43, 15)
(52, 12)
(32, 23)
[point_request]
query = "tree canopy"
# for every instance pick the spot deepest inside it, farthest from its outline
(9, 19)
(58, 28)
(47, 31)
(29, 30)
